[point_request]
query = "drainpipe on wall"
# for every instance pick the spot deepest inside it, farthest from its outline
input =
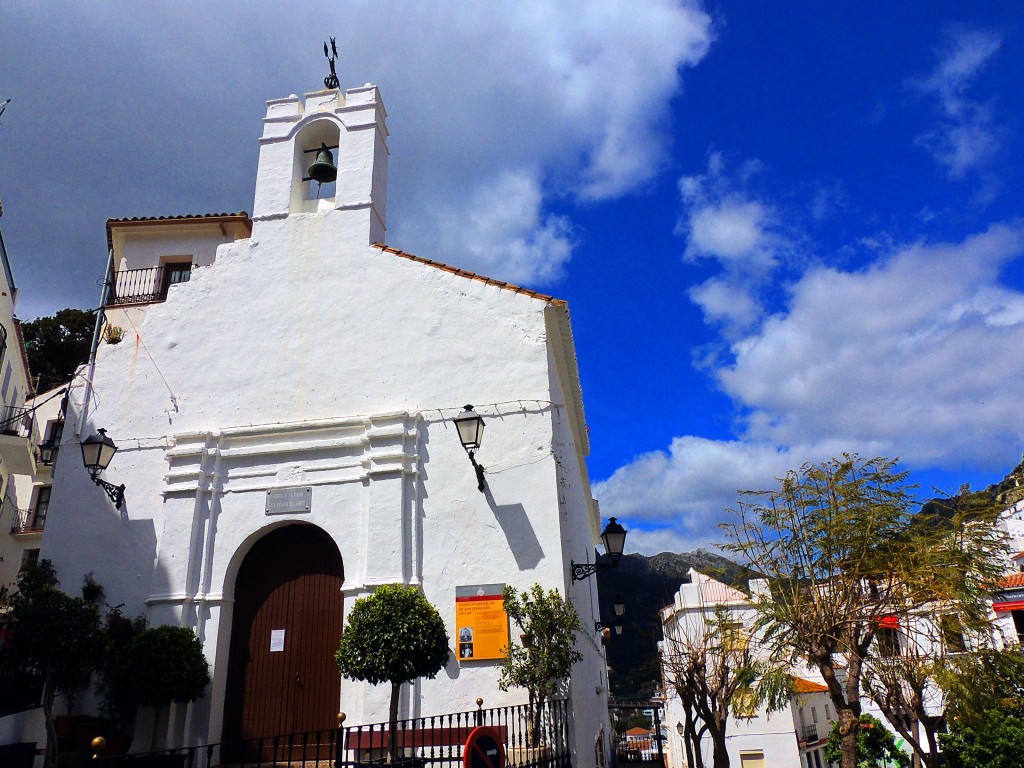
(87, 392)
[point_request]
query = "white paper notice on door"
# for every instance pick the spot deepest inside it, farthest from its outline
(276, 640)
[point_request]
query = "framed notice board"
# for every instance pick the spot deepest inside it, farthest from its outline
(481, 624)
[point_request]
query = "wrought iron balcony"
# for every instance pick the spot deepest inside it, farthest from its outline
(146, 286)
(19, 436)
(29, 520)
(809, 734)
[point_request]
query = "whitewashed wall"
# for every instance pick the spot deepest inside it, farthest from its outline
(304, 356)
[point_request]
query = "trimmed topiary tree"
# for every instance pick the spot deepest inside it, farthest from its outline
(393, 636)
(158, 666)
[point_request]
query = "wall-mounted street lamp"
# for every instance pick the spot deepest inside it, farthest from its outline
(97, 451)
(619, 608)
(614, 539)
(470, 427)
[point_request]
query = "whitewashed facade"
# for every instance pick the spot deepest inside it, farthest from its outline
(309, 355)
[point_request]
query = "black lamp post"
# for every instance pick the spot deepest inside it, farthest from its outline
(97, 451)
(470, 427)
(614, 538)
(619, 608)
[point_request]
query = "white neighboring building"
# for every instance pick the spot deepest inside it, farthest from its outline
(19, 433)
(284, 418)
(793, 737)
(26, 498)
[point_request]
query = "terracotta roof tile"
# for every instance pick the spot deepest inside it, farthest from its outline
(1012, 581)
(802, 685)
(1017, 556)
(472, 275)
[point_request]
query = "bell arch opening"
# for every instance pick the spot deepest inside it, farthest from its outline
(285, 626)
(311, 143)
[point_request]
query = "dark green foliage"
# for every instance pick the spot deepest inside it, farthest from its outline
(118, 704)
(876, 745)
(57, 637)
(158, 666)
(986, 711)
(995, 740)
(50, 624)
(57, 345)
(393, 636)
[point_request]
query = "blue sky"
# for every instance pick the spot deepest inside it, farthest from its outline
(785, 230)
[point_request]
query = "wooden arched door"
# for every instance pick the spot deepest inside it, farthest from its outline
(282, 677)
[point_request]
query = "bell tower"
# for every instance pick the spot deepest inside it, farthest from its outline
(302, 139)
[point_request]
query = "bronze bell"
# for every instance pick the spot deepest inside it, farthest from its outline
(323, 170)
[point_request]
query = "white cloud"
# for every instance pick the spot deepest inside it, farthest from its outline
(688, 488)
(966, 138)
(723, 221)
(911, 354)
(495, 111)
(914, 355)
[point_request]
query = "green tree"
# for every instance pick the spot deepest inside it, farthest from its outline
(157, 666)
(876, 745)
(985, 710)
(393, 636)
(57, 345)
(842, 553)
(543, 662)
(994, 741)
(56, 636)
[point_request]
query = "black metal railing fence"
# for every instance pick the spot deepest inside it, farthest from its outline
(532, 739)
(141, 286)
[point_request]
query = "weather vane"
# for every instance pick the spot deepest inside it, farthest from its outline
(331, 81)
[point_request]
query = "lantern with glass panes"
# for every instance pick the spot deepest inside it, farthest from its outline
(97, 451)
(619, 608)
(470, 427)
(614, 539)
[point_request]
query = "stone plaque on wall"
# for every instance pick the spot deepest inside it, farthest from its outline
(286, 501)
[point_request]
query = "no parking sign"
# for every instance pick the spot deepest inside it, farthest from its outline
(484, 749)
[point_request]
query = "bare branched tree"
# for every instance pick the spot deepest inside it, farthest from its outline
(708, 663)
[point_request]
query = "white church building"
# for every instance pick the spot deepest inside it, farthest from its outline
(281, 391)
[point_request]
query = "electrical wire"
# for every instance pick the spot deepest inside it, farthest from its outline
(174, 399)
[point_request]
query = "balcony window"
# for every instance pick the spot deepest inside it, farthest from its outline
(41, 507)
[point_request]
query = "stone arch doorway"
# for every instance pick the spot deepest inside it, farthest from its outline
(285, 626)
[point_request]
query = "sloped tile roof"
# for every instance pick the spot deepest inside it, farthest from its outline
(1012, 581)
(472, 275)
(803, 685)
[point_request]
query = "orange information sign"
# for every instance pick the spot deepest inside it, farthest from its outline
(481, 624)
